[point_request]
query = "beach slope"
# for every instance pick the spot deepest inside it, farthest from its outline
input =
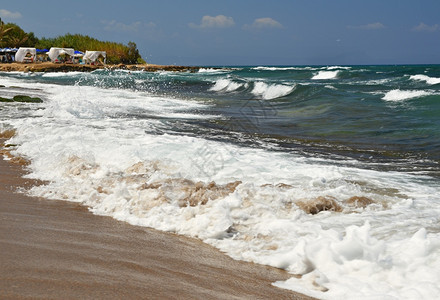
(57, 249)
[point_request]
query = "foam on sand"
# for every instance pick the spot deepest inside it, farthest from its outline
(93, 251)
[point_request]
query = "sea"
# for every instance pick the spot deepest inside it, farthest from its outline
(331, 173)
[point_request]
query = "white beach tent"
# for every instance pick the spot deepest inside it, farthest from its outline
(92, 56)
(22, 52)
(55, 52)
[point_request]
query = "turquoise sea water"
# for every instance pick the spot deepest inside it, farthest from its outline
(385, 116)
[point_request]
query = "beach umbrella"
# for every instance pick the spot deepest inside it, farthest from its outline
(78, 53)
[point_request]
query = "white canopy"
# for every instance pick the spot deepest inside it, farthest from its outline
(55, 52)
(92, 56)
(22, 52)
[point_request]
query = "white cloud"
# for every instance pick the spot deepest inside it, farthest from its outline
(219, 21)
(424, 27)
(262, 23)
(9, 14)
(372, 26)
(113, 25)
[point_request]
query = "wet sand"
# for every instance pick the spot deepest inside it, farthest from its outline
(59, 250)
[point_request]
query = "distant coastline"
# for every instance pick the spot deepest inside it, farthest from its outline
(60, 67)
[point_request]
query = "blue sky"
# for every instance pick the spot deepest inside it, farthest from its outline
(245, 32)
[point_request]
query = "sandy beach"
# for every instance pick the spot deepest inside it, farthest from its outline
(57, 249)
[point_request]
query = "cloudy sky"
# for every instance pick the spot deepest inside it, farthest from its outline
(248, 32)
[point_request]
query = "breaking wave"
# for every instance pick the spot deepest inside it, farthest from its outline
(427, 79)
(271, 91)
(399, 95)
(155, 157)
(338, 68)
(261, 68)
(62, 74)
(322, 75)
(212, 71)
(226, 85)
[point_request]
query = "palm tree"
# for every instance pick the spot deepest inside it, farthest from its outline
(3, 32)
(17, 41)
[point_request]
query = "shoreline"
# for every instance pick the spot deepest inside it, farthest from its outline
(53, 249)
(61, 67)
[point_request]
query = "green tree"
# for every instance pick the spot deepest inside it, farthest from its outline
(11, 35)
(3, 33)
(32, 40)
(17, 37)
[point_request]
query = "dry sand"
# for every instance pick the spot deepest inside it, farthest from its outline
(59, 250)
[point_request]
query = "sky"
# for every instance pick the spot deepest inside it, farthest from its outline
(247, 32)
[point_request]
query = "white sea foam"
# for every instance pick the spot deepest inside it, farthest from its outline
(388, 249)
(304, 68)
(323, 75)
(226, 85)
(262, 68)
(211, 70)
(271, 91)
(62, 74)
(399, 95)
(375, 82)
(338, 68)
(427, 79)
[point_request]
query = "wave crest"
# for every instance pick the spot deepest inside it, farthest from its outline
(226, 85)
(427, 79)
(261, 68)
(271, 91)
(399, 95)
(211, 70)
(322, 75)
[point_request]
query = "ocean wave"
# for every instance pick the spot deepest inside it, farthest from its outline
(294, 213)
(212, 71)
(330, 87)
(226, 85)
(348, 231)
(323, 75)
(279, 68)
(377, 81)
(399, 95)
(338, 68)
(63, 74)
(427, 79)
(271, 91)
